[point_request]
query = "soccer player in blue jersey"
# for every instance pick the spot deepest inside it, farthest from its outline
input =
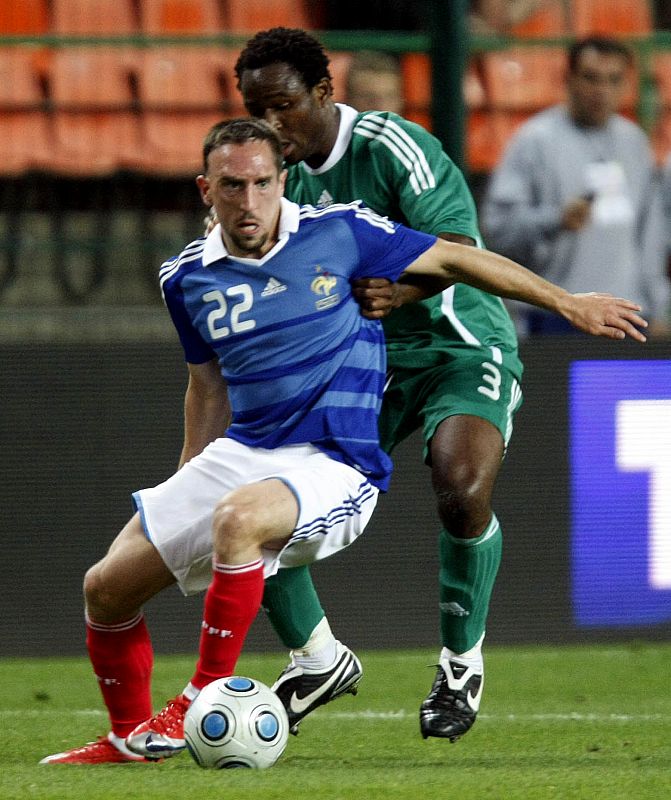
(290, 471)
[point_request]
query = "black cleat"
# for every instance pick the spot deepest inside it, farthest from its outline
(301, 691)
(452, 705)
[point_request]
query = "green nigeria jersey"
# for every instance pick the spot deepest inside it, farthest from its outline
(399, 170)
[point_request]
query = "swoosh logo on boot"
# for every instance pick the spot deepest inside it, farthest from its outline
(300, 704)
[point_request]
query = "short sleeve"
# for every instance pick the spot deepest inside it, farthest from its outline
(386, 248)
(196, 349)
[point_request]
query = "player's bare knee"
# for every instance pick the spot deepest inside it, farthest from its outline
(104, 603)
(464, 509)
(234, 524)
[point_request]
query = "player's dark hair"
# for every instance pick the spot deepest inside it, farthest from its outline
(239, 131)
(291, 46)
(603, 45)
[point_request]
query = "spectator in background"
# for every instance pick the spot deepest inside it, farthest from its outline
(575, 196)
(374, 81)
(666, 209)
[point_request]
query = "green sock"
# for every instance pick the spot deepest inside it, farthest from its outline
(292, 604)
(468, 570)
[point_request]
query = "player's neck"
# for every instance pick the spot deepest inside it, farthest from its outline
(328, 138)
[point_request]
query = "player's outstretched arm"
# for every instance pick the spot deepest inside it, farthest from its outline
(593, 313)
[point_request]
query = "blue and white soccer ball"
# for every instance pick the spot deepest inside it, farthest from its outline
(236, 722)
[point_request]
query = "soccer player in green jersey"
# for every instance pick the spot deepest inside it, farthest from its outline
(453, 363)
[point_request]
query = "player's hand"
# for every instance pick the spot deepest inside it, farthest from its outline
(605, 315)
(376, 296)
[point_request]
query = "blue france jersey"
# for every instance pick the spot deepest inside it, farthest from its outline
(301, 363)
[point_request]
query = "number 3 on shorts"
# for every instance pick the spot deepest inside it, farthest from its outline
(491, 381)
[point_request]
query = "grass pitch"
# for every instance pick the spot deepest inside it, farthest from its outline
(578, 722)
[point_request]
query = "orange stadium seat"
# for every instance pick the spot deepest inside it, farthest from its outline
(487, 134)
(610, 17)
(524, 79)
(96, 125)
(182, 94)
(25, 141)
(182, 78)
(549, 19)
(24, 16)
(256, 15)
(223, 63)
(339, 67)
(93, 17)
(515, 83)
(417, 87)
(180, 16)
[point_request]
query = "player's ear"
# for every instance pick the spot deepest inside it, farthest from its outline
(204, 188)
(323, 90)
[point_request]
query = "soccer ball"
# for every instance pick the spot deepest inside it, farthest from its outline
(236, 722)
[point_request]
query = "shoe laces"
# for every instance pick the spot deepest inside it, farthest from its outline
(171, 717)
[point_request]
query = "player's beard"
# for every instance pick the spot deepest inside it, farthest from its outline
(248, 245)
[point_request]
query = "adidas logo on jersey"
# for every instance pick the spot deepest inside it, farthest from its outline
(325, 199)
(273, 287)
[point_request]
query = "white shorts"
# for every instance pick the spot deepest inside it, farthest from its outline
(335, 503)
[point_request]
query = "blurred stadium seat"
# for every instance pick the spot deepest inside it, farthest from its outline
(256, 15)
(547, 20)
(610, 17)
(24, 16)
(96, 124)
(182, 93)
(524, 79)
(417, 87)
(339, 67)
(487, 133)
(180, 16)
(24, 131)
(82, 17)
(514, 84)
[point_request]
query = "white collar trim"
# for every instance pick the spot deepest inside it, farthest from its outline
(347, 117)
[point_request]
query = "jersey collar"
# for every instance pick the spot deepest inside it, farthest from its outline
(348, 117)
(214, 248)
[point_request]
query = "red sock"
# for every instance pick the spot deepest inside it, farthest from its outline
(122, 659)
(232, 602)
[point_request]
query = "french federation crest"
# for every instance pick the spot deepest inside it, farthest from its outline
(324, 284)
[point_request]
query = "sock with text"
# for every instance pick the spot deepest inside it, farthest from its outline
(122, 659)
(232, 602)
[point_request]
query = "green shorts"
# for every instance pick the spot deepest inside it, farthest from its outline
(481, 386)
